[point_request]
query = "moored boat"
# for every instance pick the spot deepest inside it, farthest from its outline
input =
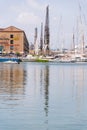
(9, 60)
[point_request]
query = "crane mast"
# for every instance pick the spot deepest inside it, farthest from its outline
(46, 32)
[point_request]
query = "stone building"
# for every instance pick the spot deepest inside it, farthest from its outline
(13, 40)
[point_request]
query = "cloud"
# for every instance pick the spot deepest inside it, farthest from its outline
(28, 18)
(34, 4)
(32, 14)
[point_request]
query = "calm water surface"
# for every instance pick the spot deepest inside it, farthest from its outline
(43, 96)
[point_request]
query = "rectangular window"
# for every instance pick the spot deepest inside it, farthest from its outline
(11, 41)
(11, 36)
(11, 47)
(1, 49)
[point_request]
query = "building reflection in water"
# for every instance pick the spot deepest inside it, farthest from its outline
(13, 79)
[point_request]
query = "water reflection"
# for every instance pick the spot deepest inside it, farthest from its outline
(44, 82)
(78, 80)
(12, 79)
(54, 96)
(46, 89)
(46, 92)
(71, 84)
(41, 82)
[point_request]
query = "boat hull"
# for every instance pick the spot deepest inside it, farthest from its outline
(6, 59)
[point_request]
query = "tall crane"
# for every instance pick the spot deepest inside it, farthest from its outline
(35, 43)
(41, 38)
(46, 32)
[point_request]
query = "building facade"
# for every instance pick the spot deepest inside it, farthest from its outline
(13, 40)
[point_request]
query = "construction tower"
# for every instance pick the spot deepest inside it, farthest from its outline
(41, 39)
(46, 33)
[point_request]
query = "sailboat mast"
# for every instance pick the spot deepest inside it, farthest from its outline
(83, 43)
(81, 31)
(73, 37)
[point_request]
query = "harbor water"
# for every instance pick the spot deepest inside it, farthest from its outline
(43, 96)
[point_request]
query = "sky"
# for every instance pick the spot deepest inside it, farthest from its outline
(28, 14)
